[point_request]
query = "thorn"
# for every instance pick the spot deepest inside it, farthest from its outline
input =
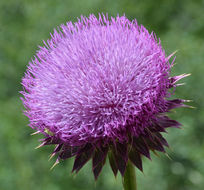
(192, 107)
(189, 74)
(155, 153)
(185, 75)
(35, 133)
(57, 162)
(167, 156)
(51, 156)
(172, 54)
(187, 100)
(179, 77)
(40, 145)
(180, 84)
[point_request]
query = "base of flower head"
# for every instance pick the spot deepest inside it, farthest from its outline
(118, 153)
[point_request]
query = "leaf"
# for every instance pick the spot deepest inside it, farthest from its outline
(135, 158)
(99, 160)
(99, 156)
(97, 170)
(167, 122)
(162, 139)
(156, 128)
(141, 146)
(121, 157)
(112, 162)
(82, 157)
(155, 144)
(171, 104)
(68, 152)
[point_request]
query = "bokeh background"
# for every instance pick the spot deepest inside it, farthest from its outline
(25, 23)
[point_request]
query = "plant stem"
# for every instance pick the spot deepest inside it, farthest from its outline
(129, 180)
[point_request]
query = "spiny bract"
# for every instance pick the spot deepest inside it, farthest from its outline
(99, 87)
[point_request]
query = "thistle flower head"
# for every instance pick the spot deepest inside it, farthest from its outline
(101, 86)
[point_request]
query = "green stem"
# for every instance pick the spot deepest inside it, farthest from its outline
(129, 180)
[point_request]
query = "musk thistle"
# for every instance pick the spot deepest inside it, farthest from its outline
(99, 88)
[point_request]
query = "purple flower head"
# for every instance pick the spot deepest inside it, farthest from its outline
(99, 87)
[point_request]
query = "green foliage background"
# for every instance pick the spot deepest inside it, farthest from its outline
(23, 26)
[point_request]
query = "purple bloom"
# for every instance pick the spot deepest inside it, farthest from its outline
(101, 87)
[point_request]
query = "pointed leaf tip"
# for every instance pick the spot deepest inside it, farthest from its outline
(112, 163)
(82, 157)
(121, 157)
(97, 170)
(141, 146)
(98, 161)
(99, 156)
(135, 158)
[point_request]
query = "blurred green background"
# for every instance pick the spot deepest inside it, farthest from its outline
(23, 26)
